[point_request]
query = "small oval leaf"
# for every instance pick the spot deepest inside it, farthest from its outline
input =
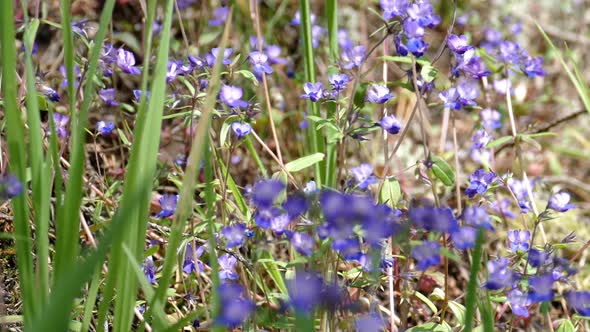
(304, 162)
(443, 171)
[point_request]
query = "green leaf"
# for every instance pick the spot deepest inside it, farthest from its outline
(566, 326)
(391, 192)
(248, 75)
(428, 73)
(304, 162)
(499, 141)
(539, 135)
(427, 301)
(429, 327)
(443, 171)
(458, 310)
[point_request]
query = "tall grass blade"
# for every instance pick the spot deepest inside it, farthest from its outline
(315, 141)
(471, 296)
(15, 131)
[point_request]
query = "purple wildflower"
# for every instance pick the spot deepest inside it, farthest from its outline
(280, 223)
(500, 275)
(378, 94)
(533, 66)
(519, 240)
(393, 8)
(259, 61)
(241, 129)
(211, 57)
(105, 127)
(48, 92)
(274, 55)
(519, 302)
(219, 16)
(491, 119)
(560, 202)
(390, 124)
(440, 220)
(542, 288)
(479, 182)
(168, 206)
(458, 44)
(191, 260)
(150, 270)
(172, 71)
(232, 96)
(126, 61)
(364, 175)
(580, 301)
(305, 291)
(235, 235)
(339, 81)
(480, 139)
(61, 121)
(313, 91)
(303, 243)
(464, 237)
(108, 97)
(427, 254)
(10, 186)
(370, 322)
(227, 267)
(477, 216)
(353, 57)
(265, 192)
(235, 307)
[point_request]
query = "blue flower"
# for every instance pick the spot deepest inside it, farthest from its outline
(219, 16)
(378, 94)
(61, 121)
(265, 215)
(491, 119)
(303, 243)
(150, 270)
(168, 206)
(519, 240)
(172, 71)
(227, 267)
(108, 97)
(538, 258)
(477, 216)
(339, 81)
(313, 91)
(579, 300)
(353, 57)
(259, 61)
(441, 220)
(464, 237)
(48, 92)
(305, 291)
(192, 261)
(212, 57)
(126, 61)
(472, 65)
(370, 322)
(280, 223)
(560, 202)
(519, 303)
(10, 186)
(424, 13)
(232, 96)
(500, 275)
(295, 205)
(533, 66)
(350, 249)
(393, 8)
(391, 124)
(235, 307)
(480, 139)
(77, 76)
(235, 235)
(479, 182)
(364, 175)
(426, 254)
(241, 129)
(417, 46)
(105, 127)
(458, 44)
(265, 192)
(541, 288)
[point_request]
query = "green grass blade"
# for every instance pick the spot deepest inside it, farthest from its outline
(256, 157)
(15, 131)
(332, 13)
(114, 264)
(580, 85)
(185, 202)
(314, 137)
(41, 183)
(471, 297)
(68, 222)
(90, 301)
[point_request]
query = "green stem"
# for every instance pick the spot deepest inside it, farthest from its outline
(471, 296)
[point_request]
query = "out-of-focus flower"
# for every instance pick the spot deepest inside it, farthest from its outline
(364, 175)
(265, 192)
(219, 16)
(458, 44)
(227, 267)
(491, 119)
(105, 127)
(232, 96)
(241, 129)
(235, 235)
(519, 240)
(391, 124)
(167, 205)
(235, 307)
(313, 91)
(500, 275)
(580, 301)
(305, 291)
(353, 57)
(480, 139)
(541, 288)
(560, 202)
(464, 237)
(108, 97)
(378, 94)
(150, 270)
(479, 182)
(426, 254)
(259, 61)
(191, 260)
(211, 57)
(441, 220)
(10, 186)
(303, 243)
(370, 322)
(61, 121)
(477, 216)
(519, 302)
(126, 61)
